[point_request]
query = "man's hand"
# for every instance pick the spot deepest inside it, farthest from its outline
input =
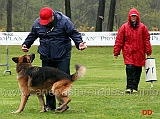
(82, 46)
(116, 57)
(24, 48)
(149, 56)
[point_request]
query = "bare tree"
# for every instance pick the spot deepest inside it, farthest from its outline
(111, 15)
(100, 15)
(9, 16)
(1, 15)
(68, 8)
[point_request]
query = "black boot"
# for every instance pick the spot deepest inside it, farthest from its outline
(50, 102)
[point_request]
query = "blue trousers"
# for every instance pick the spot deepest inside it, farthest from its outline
(63, 65)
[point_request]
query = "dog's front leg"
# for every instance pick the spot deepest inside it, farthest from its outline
(41, 101)
(24, 99)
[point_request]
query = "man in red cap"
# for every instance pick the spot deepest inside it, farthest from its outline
(55, 31)
(134, 40)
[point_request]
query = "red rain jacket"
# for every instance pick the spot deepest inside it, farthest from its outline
(134, 42)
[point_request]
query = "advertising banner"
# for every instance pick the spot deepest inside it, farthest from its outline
(91, 38)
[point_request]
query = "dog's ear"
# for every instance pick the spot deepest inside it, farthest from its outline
(32, 57)
(15, 59)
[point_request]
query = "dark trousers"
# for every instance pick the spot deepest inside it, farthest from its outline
(133, 76)
(63, 65)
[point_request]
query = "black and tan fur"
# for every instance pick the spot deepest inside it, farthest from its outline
(41, 80)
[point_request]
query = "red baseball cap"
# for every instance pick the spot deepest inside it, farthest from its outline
(45, 15)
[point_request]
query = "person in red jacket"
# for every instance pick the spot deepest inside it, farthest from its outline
(133, 39)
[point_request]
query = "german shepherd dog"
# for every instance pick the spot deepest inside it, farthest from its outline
(42, 80)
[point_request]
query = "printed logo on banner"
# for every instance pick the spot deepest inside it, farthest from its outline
(112, 34)
(14, 38)
(7, 34)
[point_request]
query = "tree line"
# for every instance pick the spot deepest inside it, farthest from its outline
(87, 15)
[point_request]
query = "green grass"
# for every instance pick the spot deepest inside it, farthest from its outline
(99, 94)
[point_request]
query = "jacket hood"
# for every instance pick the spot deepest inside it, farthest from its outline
(57, 15)
(133, 11)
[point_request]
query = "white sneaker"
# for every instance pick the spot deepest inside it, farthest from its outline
(134, 91)
(128, 91)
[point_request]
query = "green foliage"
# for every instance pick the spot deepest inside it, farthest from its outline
(86, 28)
(149, 15)
(99, 94)
(26, 11)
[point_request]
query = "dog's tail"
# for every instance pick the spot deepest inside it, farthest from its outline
(80, 71)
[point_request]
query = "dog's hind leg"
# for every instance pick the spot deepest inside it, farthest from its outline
(24, 99)
(61, 91)
(64, 101)
(41, 101)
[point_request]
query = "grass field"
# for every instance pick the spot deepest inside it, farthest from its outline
(98, 95)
